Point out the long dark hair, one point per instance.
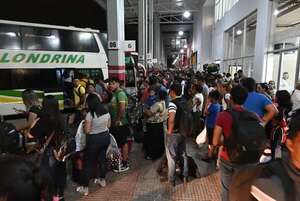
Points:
(50, 109)
(95, 107)
(283, 99)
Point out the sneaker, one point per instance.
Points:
(84, 191)
(122, 168)
(79, 188)
(100, 182)
(96, 181)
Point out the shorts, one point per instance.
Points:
(120, 133)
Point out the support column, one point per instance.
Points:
(150, 28)
(157, 48)
(263, 28)
(115, 26)
(142, 32)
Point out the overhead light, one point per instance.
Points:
(185, 46)
(187, 14)
(239, 32)
(180, 33)
(182, 51)
(12, 34)
(276, 12)
(179, 4)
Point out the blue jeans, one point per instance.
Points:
(176, 151)
(95, 154)
(227, 171)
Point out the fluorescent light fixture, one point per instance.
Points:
(182, 51)
(12, 34)
(239, 32)
(185, 46)
(52, 37)
(180, 33)
(187, 14)
(276, 12)
(179, 4)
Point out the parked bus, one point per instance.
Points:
(36, 56)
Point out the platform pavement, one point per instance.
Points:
(142, 183)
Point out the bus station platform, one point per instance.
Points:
(142, 183)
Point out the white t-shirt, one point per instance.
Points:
(99, 124)
(296, 99)
(198, 97)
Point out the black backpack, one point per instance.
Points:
(11, 141)
(183, 118)
(247, 140)
(240, 188)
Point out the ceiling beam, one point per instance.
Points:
(102, 3)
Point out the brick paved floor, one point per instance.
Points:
(142, 183)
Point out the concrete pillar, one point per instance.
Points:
(157, 48)
(263, 28)
(150, 28)
(115, 27)
(197, 31)
(142, 32)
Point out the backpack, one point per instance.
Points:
(11, 141)
(183, 118)
(247, 140)
(240, 188)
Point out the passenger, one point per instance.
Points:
(21, 180)
(152, 99)
(52, 125)
(79, 98)
(278, 180)
(33, 108)
(91, 90)
(197, 107)
(205, 90)
(258, 103)
(96, 125)
(223, 128)
(280, 127)
(240, 74)
(120, 128)
(263, 88)
(100, 86)
(296, 98)
(67, 77)
(175, 142)
(211, 113)
(154, 139)
(284, 83)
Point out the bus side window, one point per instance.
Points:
(10, 37)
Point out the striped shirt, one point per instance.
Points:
(172, 108)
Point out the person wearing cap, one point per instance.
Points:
(120, 129)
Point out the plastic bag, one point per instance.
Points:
(80, 137)
(202, 137)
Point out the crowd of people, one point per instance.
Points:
(249, 126)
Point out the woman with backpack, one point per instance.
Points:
(50, 130)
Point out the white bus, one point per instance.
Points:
(36, 55)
